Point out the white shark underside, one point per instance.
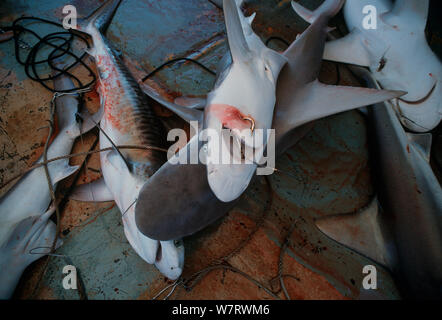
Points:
(397, 54)
(244, 93)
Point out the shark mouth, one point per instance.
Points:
(234, 149)
(422, 100)
(232, 118)
(237, 131)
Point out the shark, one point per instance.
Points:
(242, 103)
(127, 119)
(300, 99)
(30, 240)
(397, 53)
(24, 220)
(401, 228)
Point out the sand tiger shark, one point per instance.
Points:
(24, 213)
(127, 120)
(301, 99)
(397, 54)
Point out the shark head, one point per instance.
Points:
(170, 258)
(242, 105)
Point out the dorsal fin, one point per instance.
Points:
(360, 231)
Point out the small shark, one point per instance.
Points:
(127, 120)
(402, 227)
(397, 54)
(301, 99)
(24, 225)
(242, 101)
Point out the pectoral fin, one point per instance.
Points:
(62, 172)
(96, 191)
(317, 100)
(90, 121)
(186, 113)
(193, 103)
(360, 231)
(348, 49)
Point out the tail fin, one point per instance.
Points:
(99, 19)
(329, 8)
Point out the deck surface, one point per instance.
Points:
(326, 173)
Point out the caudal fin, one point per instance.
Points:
(100, 18)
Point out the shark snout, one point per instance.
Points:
(170, 258)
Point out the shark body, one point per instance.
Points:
(396, 52)
(301, 99)
(24, 214)
(402, 227)
(127, 120)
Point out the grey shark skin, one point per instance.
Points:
(406, 235)
(24, 225)
(177, 201)
(127, 120)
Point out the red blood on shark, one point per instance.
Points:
(229, 116)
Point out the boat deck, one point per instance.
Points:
(326, 173)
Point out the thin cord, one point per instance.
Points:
(173, 61)
(63, 49)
